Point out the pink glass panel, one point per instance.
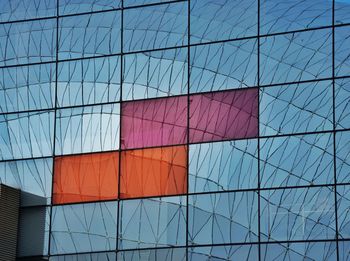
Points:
(157, 122)
(224, 115)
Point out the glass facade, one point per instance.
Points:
(178, 130)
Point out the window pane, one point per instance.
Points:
(344, 250)
(224, 66)
(88, 81)
(285, 15)
(153, 172)
(297, 214)
(300, 251)
(223, 166)
(155, 27)
(84, 228)
(87, 129)
(294, 108)
(89, 35)
(297, 160)
(224, 115)
(216, 253)
(343, 204)
(163, 254)
(213, 20)
(342, 103)
(219, 218)
(342, 51)
(155, 74)
(32, 177)
(26, 135)
(149, 223)
(104, 256)
(143, 2)
(151, 123)
(82, 6)
(296, 57)
(89, 177)
(28, 42)
(342, 11)
(27, 88)
(12, 10)
(343, 156)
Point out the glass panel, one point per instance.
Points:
(342, 51)
(27, 88)
(89, 177)
(12, 10)
(155, 74)
(223, 166)
(220, 218)
(224, 115)
(89, 35)
(297, 214)
(153, 172)
(287, 109)
(88, 81)
(28, 42)
(342, 103)
(224, 66)
(155, 27)
(344, 250)
(343, 156)
(218, 253)
(82, 6)
(342, 11)
(32, 177)
(213, 20)
(84, 228)
(26, 135)
(284, 15)
(151, 123)
(297, 160)
(163, 254)
(296, 57)
(143, 2)
(343, 204)
(315, 251)
(149, 223)
(104, 256)
(87, 129)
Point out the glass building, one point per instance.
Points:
(142, 130)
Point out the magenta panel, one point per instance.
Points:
(224, 115)
(157, 122)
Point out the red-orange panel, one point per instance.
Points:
(154, 172)
(90, 177)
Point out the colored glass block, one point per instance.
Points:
(224, 115)
(152, 123)
(90, 177)
(153, 172)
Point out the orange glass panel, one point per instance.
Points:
(154, 172)
(90, 177)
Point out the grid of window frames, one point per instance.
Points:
(177, 130)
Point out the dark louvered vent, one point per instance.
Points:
(9, 210)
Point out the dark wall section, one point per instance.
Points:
(9, 211)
